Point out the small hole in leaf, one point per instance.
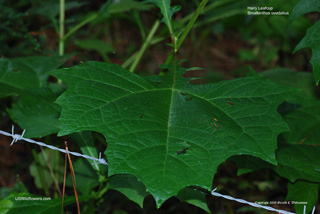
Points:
(188, 98)
(182, 151)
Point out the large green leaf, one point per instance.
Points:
(297, 79)
(295, 162)
(304, 124)
(303, 7)
(37, 113)
(312, 41)
(136, 191)
(194, 197)
(26, 72)
(301, 111)
(297, 158)
(299, 162)
(305, 192)
(129, 186)
(166, 132)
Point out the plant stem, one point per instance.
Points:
(131, 59)
(186, 31)
(137, 18)
(145, 45)
(61, 28)
(81, 24)
(169, 24)
(190, 24)
(206, 9)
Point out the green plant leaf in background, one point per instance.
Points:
(301, 110)
(167, 11)
(101, 47)
(86, 143)
(295, 162)
(223, 9)
(299, 162)
(51, 10)
(166, 132)
(37, 113)
(304, 124)
(302, 191)
(312, 41)
(303, 7)
(40, 171)
(194, 197)
(40, 65)
(19, 187)
(35, 204)
(298, 79)
(86, 177)
(136, 191)
(297, 156)
(120, 6)
(14, 77)
(129, 186)
(26, 72)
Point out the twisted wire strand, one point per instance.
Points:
(17, 137)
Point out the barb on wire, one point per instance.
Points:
(255, 204)
(17, 137)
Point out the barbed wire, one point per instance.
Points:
(17, 137)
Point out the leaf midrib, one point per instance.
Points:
(168, 125)
(167, 17)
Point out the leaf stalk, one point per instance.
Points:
(61, 27)
(145, 45)
(190, 24)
